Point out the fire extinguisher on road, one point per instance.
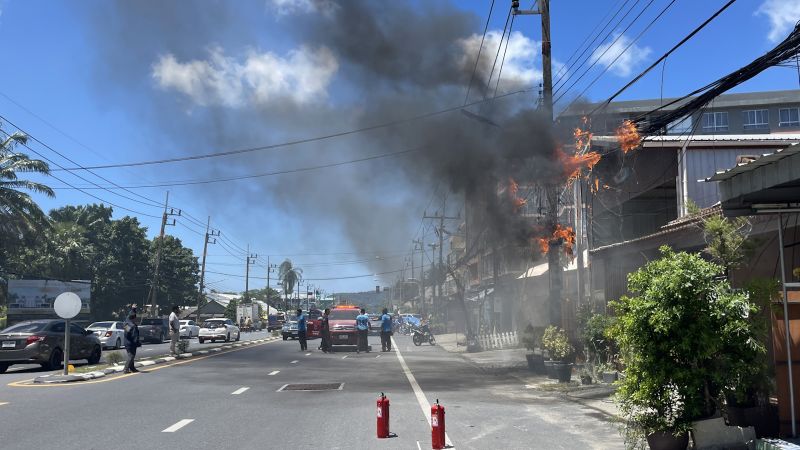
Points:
(437, 426)
(383, 417)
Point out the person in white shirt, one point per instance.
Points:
(174, 330)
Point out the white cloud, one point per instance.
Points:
(289, 7)
(629, 59)
(782, 14)
(520, 68)
(302, 76)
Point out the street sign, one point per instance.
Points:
(67, 305)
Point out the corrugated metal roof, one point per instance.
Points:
(762, 161)
(709, 139)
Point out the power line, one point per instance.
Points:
(259, 175)
(480, 48)
(301, 141)
(79, 189)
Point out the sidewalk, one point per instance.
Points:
(512, 362)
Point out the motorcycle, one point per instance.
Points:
(423, 334)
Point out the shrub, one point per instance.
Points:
(597, 341)
(532, 337)
(681, 336)
(556, 342)
(183, 345)
(114, 358)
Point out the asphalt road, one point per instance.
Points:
(233, 400)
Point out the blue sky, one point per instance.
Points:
(111, 90)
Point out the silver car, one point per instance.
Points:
(111, 334)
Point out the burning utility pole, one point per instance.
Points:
(552, 192)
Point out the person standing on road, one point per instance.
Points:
(174, 330)
(386, 331)
(362, 327)
(301, 330)
(248, 324)
(325, 346)
(131, 341)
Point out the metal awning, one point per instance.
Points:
(769, 184)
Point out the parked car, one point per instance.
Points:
(374, 325)
(219, 329)
(154, 329)
(111, 334)
(42, 342)
(289, 329)
(189, 329)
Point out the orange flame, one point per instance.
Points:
(628, 136)
(564, 234)
(583, 138)
(574, 164)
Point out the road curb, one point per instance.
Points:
(77, 377)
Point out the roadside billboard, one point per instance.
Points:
(36, 297)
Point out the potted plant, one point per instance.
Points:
(599, 346)
(531, 339)
(676, 334)
(586, 376)
(558, 348)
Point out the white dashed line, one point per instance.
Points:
(3, 403)
(377, 356)
(239, 391)
(294, 362)
(345, 356)
(421, 399)
(178, 426)
(274, 372)
(308, 354)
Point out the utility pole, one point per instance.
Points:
(160, 244)
(209, 234)
(270, 268)
(433, 272)
(552, 191)
(440, 231)
(418, 244)
(250, 259)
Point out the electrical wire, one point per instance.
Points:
(480, 48)
(304, 140)
(503, 62)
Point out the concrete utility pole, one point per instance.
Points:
(440, 231)
(250, 259)
(160, 244)
(209, 234)
(270, 267)
(419, 244)
(433, 247)
(552, 191)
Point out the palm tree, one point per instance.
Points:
(289, 277)
(19, 214)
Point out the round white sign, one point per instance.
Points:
(67, 305)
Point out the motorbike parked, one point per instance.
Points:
(423, 334)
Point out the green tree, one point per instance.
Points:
(179, 273)
(230, 310)
(289, 276)
(727, 241)
(21, 219)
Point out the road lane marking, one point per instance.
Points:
(24, 383)
(308, 354)
(345, 356)
(294, 362)
(421, 399)
(3, 403)
(239, 391)
(180, 424)
(274, 372)
(377, 356)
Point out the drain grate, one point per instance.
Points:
(312, 387)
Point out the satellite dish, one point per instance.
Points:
(67, 305)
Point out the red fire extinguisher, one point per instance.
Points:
(383, 417)
(437, 425)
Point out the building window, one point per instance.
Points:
(680, 126)
(715, 121)
(755, 119)
(789, 117)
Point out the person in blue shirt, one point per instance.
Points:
(386, 331)
(362, 327)
(301, 330)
